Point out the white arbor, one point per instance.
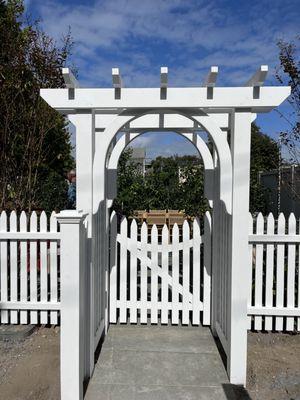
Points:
(105, 121)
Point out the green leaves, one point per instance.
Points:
(35, 149)
(169, 183)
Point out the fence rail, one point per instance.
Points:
(29, 269)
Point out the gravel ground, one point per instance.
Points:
(29, 368)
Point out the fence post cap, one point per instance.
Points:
(70, 216)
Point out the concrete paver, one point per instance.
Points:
(158, 363)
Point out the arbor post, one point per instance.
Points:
(72, 350)
(238, 283)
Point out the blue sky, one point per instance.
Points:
(188, 36)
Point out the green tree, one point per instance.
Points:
(264, 157)
(170, 183)
(35, 149)
(289, 73)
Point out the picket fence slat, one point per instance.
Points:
(175, 275)
(196, 272)
(144, 273)
(154, 275)
(123, 271)
(259, 271)
(113, 269)
(13, 266)
(23, 269)
(269, 271)
(280, 272)
(186, 274)
(165, 272)
(43, 268)
(4, 269)
(133, 271)
(291, 272)
(207, 268)
(53, 269)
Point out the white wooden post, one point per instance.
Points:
(240, 150)
(85, 148)
(72, 305)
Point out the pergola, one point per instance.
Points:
(106, 120)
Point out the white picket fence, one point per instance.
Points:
(274, 286)
(160, 275)
(29, 269)
(148, 277)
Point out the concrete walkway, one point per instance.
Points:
(158, 363)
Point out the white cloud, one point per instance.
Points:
(193, 36)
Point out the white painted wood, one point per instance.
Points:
(123, 270)
(3, 267)
(43, 268)
(269, 272)
(290, 322)
(186, 273)
(23, 269)
(69, 78)
(72, 356)
(144, 273)
(185, 98)
(275, 311)
(211, 79)
(259, 271)
(207, 269)
(164, 77)
(33, 268)
(113, 269)
(249, 303)
(238, 242)
(197, 275)
(116, 78)
(175, 275)
(154, 275)
(280, 272)
(53, 269)
(259, 77)
(164, 276)
(133, 271)
(274, 238)
(13, 267)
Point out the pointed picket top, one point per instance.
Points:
(133, 228)
(113, 215)
(260, 223)
(186, 230)
(53, 222)
(165, 234)
(270, 223)
(292, 224)
(33, 222)
(175, 232)
(144, 229)
(154, 233)
(43, 222)
(13, 221)
(196, 227)
(3, 221)
(208, 216)
(281, 224)
(23, 222)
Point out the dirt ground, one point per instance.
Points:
(29, 368)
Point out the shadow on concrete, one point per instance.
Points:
(235, 392)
